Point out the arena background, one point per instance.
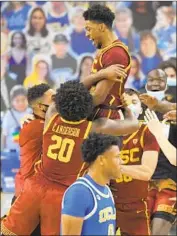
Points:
(61, 52)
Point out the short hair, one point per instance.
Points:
(96, 144)
(73, 101)
(100, 14)
(36, 92)
(131, 92)
(147, 34)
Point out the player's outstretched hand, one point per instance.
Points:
(114, 72)
(148, 100)
(171, 115)
(153, 122)
(26, 119)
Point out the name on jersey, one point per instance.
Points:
(65, 130)
(107, 214)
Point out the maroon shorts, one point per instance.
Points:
(133, 218)
(160, 199)
(39, 199)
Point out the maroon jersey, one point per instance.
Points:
(116, 53)
(30, 151)
(127, 188)
(61, 159)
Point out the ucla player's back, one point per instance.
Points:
(99, 213)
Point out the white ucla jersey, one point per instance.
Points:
(101, 220)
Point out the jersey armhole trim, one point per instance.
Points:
(95, 201)
(142, 137)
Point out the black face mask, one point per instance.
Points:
(44, 107)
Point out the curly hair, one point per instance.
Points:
(100, 14)
(96, 144)
(73, 101)
(37, 91)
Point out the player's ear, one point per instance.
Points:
(102, 27)
(100, 159)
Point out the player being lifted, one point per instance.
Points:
(106, 94)
(61, 160)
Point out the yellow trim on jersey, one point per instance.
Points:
(36, 163)
(88, 129)
(72, 122)
(110, 103)
(130, 137)
(147, 217)
(142, 136)
(6, 231)
(49, 123)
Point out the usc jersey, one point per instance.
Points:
(62, 160)
(127, 188)
(30, 142)
(116, 53)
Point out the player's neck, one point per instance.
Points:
(97, 177)
(108, 39)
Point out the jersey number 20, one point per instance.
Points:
(64, 146)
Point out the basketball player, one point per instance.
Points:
(39, 99)
(163, 184)
(61, 160)
(139, 154)
(30, 141)
(106, 94)
(88, 206)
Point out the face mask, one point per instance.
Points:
(44, 107)
(135, 110)
(171, 81)
(157, 94)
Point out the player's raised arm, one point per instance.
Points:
(156, 129)
(156, 105)
(117, 127)
(110, 73)
(50, 112)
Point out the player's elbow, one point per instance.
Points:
(147, 174)
(172, 160)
